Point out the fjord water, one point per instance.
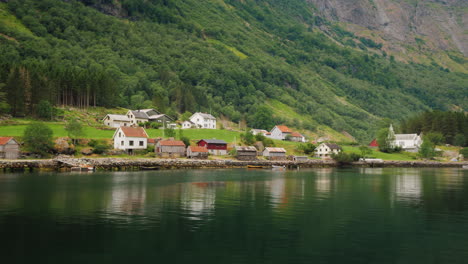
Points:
(390, 215)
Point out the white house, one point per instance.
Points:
(297, 137)
(130, 138)
(407, 142)
(148, 115)
(203, 120)
(117, 120)
(259, 131)
(325, 150)
(187, 124)
(280, 132)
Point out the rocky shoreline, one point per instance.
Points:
(149, 164)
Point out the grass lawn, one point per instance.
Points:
(381, 155)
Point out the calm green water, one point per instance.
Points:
(236, 216)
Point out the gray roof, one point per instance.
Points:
(159, 116)
(205, 115)
(405, 136)
(332, 146)
(214, 141)
(150, 112)
(246, 148)
(140, 114)
(118, 117)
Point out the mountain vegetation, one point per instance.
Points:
(228, 57)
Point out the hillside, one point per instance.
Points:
(308, 68)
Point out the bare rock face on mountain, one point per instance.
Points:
(436, 24)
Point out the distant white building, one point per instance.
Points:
(203, 120)
(187, 124)
(130, 138)
(259, 131)
(325, 150)
(280, 132)
(298, 137)
(407, 142)
(117, 120)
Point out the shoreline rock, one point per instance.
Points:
(65, 164)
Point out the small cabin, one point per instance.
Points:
(9, 148)
(246, 153)
(275, 153)
(170, 148)
(214, 146)
(196, 152)
(300, 158)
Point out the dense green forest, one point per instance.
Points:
(228, 57)
(452, 126)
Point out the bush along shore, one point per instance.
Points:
(155, 164)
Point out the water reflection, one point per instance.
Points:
(408, 186)
(199, 198)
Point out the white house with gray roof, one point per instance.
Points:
(407, 142)
(117, 120)
(203, 120)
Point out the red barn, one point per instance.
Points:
(214, 146)
(374, 143)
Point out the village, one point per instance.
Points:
(131, 138)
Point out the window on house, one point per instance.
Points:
(122, 143)
(120, 134)
(131, 143)
(141, 143)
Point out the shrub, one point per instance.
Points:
(345, 158)
(307, 148)
(37, 139)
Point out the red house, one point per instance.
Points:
(214, 146)
(374, 143)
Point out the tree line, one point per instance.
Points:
(452, 126)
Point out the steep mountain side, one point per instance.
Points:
(233, 58)
(409, 29)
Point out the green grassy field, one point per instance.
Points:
(95, 133)
(380, 155)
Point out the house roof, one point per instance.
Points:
(204, 115)
(150, 111)
(140, 114)
(374, 143)
(284, 129)
(246, 148)
(296, 134)
(151, 140)
(198, 149)
(159, 116)
(4, 140)
(281, 150)
(118, 117)
(332, 146)
(259, 130)
(134, 131)
(214, 141)
(405, 136)
(171, 143)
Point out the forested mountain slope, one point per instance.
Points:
(233, 58)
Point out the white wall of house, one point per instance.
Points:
(407, 142)
(277, 134)
(116, 121)
(186, 125)
(125, 143)
(324, 151)
(202, 121)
